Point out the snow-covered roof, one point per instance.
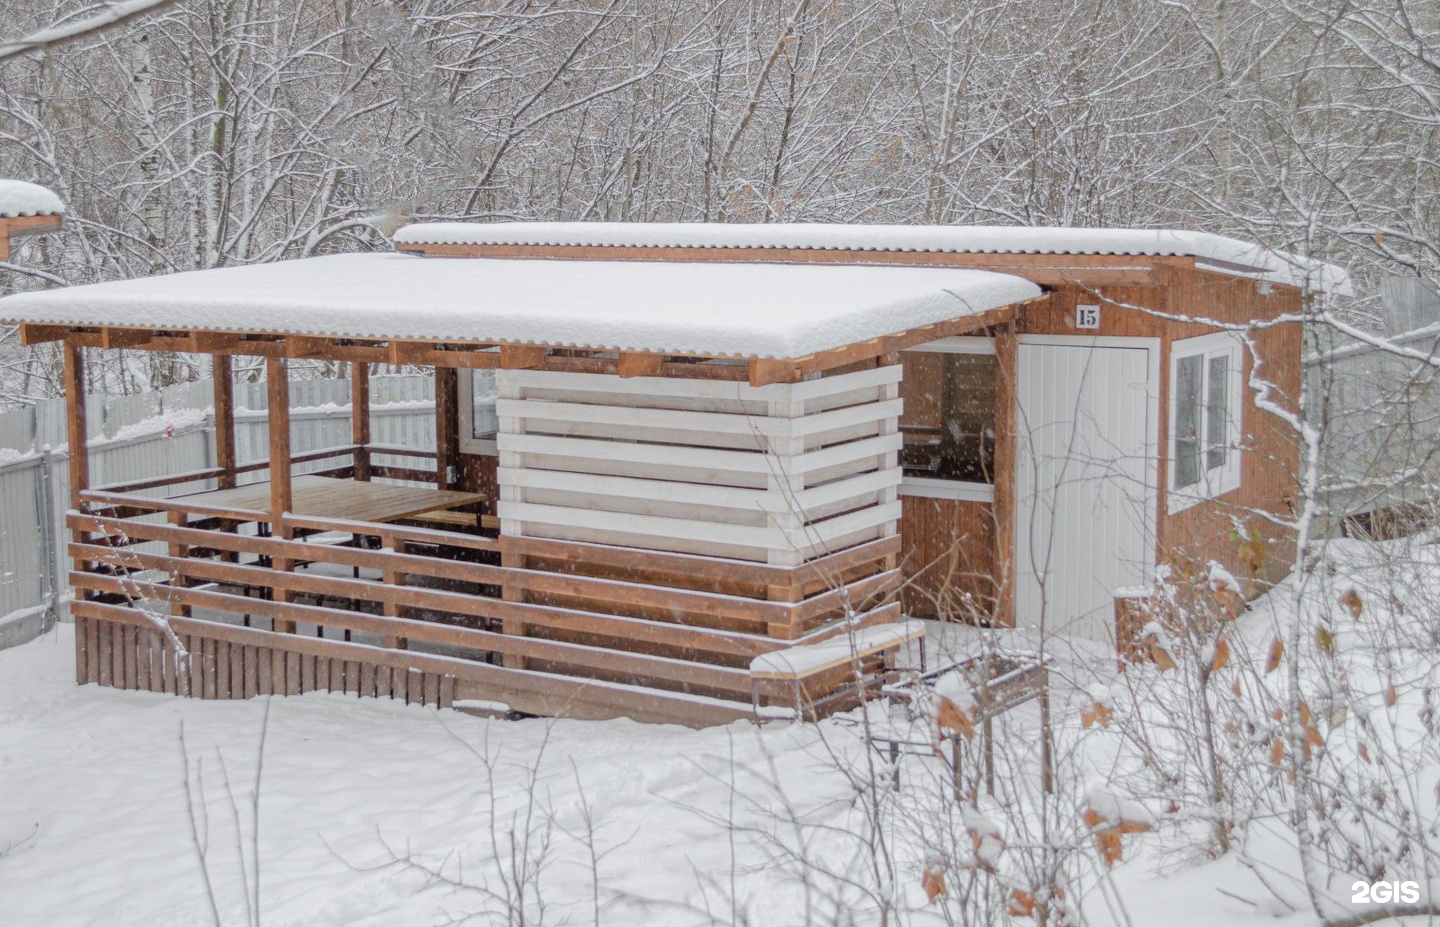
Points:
(22, 198)
(715, 309)
(1215, 252)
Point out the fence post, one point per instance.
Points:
(45, 507)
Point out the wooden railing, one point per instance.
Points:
(395, 598)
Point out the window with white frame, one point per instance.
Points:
(1205, 397)
(478, 421)
(948, 422)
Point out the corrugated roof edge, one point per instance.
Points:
(1248, 259)
(20, 198)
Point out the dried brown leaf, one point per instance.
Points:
(1277, 653)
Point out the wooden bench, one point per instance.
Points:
(798, 664)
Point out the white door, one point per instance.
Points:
(1085, 480)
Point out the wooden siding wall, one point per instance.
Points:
(1270, 465)
(777, 474)
(949, 559)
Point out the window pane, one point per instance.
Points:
(1216, 413)
(949, 416)
(1187, 421)
(483, 392)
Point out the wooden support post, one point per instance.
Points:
(277, 382)
(360, 418)
(179, 550)
(447, 425)
(393, 578)
(221, 373)
(75, 423)
(1007, 423)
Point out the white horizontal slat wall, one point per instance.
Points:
(777, 474)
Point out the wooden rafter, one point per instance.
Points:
(794, 369)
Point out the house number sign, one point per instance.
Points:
(1087, 316)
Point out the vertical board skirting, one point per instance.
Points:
(121, 655)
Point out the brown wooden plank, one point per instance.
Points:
(31, 334)
(223, 376)
(415, 687)
(75, 427)
(522, 356)
(639, 364)
(81, 653)
(447, 691)
(277, 387)
(158, 658)
(292, 673)
(264, 674)
(222, 669)
(367, 680)
(143, 640)
(167, 666)
(1006, 425)
(447, 425)
(307, 673)
(383, 682)
(209, 667)
(106, 652)
(360, 418)
(250, 671)
(237, 672)
(190, 677)
(128, 648)
(432, 689)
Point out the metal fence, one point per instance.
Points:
(156, 434)
(1380, 408)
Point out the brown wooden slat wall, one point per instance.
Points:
(949, 558)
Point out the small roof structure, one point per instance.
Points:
(707, 309)
(1211, 252)
(21, 198)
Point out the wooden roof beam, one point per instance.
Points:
(522, 356)
(231, 343)
(433, 354)
(765, 370)
(639, 364)
(112, 338)
(341, 349)
(16, 226)
(41, 334)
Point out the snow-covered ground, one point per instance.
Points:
(120, 808)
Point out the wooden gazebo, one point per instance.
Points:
(688, 513)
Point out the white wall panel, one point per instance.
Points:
(779, 473)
